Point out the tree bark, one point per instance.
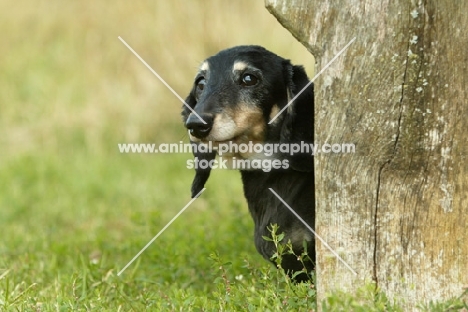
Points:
(397, 209)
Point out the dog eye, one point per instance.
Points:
(249, 80)
(201, 83)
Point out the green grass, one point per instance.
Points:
(74, 211)
(72, 221)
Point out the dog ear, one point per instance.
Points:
(201, 175)
(298, 124)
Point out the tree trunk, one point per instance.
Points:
(397, 209)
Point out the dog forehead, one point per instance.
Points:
(241, 57)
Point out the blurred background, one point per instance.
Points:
(66, 77)
(70, 91)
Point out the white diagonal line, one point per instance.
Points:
(160, 232)
(313, 79)
(160, 78)
(310, 229)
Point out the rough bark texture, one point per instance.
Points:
(397, 209)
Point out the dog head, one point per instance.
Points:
(237, 92)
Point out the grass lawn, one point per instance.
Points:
(74, 211)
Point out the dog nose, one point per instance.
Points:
(196, 126)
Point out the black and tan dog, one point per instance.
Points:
(237, 92)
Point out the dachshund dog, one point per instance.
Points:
(236, 93)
